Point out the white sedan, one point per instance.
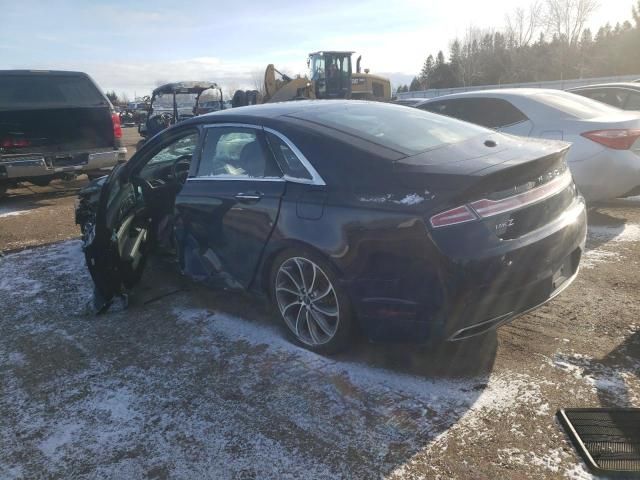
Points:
(605, 154)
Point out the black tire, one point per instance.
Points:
(239, 99)
(252, 97)
(342, 326)
(3, 189)
(41, 181)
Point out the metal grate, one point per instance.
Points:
(608, 439)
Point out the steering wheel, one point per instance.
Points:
(180, 168)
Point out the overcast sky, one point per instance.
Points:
(131, 49)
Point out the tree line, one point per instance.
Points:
(547, 41)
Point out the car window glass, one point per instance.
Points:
(234, 152)
(287, 160)
(410, 131)
(574, 105)
(633, 102)
(178, 148)
(435, 107)
(488, 112)
(611, 96)
(48, 89)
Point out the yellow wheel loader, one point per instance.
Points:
(330, 77)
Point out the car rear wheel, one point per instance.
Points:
(315, 310)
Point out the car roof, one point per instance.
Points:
(193, 86)
(281, 109)
(631, 85)
(497, 92)
(42, 72)
(410, 99)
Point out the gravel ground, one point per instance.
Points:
(195, 383)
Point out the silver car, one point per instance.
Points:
(605, 154)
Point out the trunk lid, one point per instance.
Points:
(513, 185)
(483, 165)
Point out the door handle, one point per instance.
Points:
(249, 197)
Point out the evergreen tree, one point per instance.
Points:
(427, 70)
(486, 57)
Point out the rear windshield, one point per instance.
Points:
(406, 130)
(42, 90)
(575, 105)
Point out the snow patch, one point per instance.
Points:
(377, 199)
(451, 403)
(409, 199)
(61, 436)
(412, 199)
(551, 460)
(578, 472)
(13, 213)
(608, 234)
(600, 378)
(629, 232)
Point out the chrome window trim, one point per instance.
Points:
(238, 178)
(232, 124)
(315, 179)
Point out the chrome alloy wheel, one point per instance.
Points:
(307, 301)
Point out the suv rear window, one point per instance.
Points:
(406, 130)
(42, 90)
(575, 105)
(488, 112)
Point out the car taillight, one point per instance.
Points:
(117, 128)
(488, 208)
(454, 216)
(15, 143)
(621, 139)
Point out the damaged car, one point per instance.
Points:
(173, 103)
(405, 224)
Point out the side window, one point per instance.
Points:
(436, 107)
(181, 147)
(287, 160)
(235, 152)
(610, 96)
(502, 113)
(633, 102)
(488, 112)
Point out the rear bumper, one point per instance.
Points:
(480, 283)
(608, 174)
(535, 299)
(25, 166)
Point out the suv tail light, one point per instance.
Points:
(117, 128)
(486, 208)
(622, 139)
(14, 143)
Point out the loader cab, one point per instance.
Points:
(331, 74)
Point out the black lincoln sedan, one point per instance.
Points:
(407, 224)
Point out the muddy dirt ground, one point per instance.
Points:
(194, 383)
